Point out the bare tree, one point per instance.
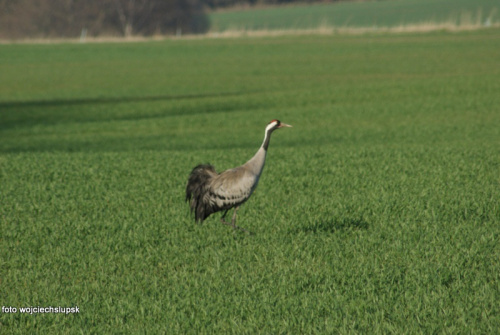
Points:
(147, 17)
(128, 11)
(67, 18)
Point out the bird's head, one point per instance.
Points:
(276, 124)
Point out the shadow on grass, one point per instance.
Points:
(15, 114)
(332, 225)
(114, 144)
(113, 100)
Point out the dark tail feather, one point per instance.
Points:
(196, 188)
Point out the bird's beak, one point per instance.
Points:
(284, 125)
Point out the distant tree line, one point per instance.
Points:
(67, 18)
(70, 18)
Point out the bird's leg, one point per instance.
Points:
(233, 221)
(223, 216)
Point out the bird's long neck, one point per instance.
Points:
(256, 163)
(267, 138)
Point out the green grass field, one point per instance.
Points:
(378, 212)
(393, 13)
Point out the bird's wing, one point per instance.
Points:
(231, 188)
(198, 179)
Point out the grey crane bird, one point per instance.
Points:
(209, 192)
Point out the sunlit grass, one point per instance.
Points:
(377, 212)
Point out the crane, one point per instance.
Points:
(209, 192)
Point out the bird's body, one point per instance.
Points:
(209, 192)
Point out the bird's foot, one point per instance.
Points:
(235, 226)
